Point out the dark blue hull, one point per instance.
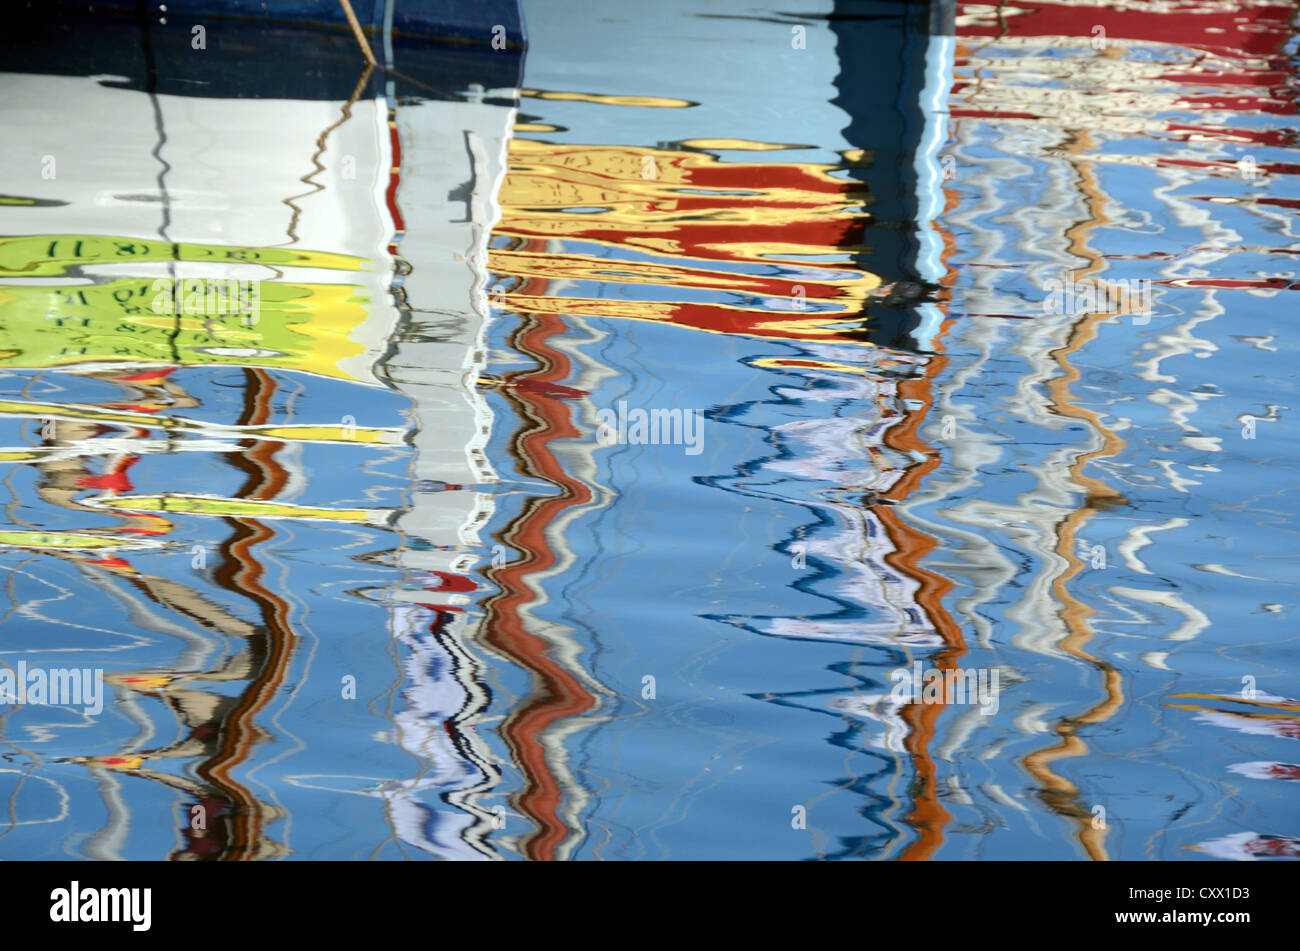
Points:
(431, 20)
(258, 49)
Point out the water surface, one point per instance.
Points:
(367, 579)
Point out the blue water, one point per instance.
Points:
(650, 652)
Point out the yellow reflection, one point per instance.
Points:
(182, 504)
(739, 145)
(296, 326)
(45, 255)
(581, 267)
(654, 102)
(66, 541)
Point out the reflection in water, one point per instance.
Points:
(687, 226)
(365, 583)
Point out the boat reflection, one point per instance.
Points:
(304, 381)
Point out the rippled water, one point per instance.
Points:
(967, 342)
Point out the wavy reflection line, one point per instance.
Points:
(557, 692)
(308, 179)
(911, 546)
(242, 572)
(1058, 793)
(928, 817)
